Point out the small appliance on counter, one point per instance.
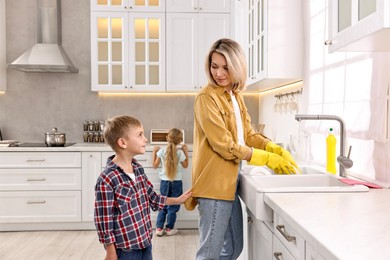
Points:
(159, 136)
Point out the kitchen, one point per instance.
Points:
(33, 103)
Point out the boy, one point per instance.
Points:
(124, 195)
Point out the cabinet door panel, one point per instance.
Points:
(40, 206)
(211, 28)
(280, 251)
(40, 159)
(91, 169)
(109, 51)
(109, 5)
(147, 52)
(182, 54)
(40, 179)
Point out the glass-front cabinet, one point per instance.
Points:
(272, 35)
(256, 40)
(359, 25)
(128, 5)
(127, 51)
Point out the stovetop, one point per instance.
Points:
(37, 145)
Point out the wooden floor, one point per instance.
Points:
(49, 245)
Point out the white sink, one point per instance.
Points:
(256, 181)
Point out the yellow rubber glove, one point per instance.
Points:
(277, 163)
(274, 148)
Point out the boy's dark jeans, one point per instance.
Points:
(141, 254)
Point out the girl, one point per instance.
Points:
(173, 161)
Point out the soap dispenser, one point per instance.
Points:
(331, 152)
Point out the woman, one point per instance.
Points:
(223, 136)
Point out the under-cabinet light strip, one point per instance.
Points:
(295, 84)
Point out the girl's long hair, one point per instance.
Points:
(174, 137)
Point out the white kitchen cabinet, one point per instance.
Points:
(91, 168)
(359, 25)
(40, 187)
(3, 72)
(273, 40)
(185, 6)
(276, 240)
(127, 51)
(312, 254)
(259, 239)
(128, 5)
(190, 36)
(280, 251)
(291, 240)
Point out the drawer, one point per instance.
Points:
(40, 206)
(279, 251)
(40, 159)
(290, 238)
(146, 159)
(40, 179)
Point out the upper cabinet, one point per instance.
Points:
(190, 6)
(359, 25)
(189, 37)
(273, 40)
(154, 45)
(127, 50)
(128, 5)
(3, 73)
(192, 27)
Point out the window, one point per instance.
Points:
(353, 86)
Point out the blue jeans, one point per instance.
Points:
(132, 254)
(168, 213)
(220, 229)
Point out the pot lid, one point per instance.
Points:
(54, 131)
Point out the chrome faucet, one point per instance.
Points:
(344, 161)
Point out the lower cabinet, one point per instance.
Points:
(91, 168)
(56, 190)
(277, 240)
(38, 187)
(259, 239)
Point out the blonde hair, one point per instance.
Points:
(118, 127)
(236, 63)
(174, 137)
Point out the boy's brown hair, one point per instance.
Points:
(118, 127)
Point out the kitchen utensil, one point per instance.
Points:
(54, 138)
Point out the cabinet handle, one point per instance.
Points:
(289, 238)
(200, 8)
(36, 202)
(328, 42)
(250, 220)
(277, 254)
(195, 8)
(41, 179)
(37, 160)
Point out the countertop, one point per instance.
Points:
(339, 225)
(78, 147)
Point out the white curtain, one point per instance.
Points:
(352, 85)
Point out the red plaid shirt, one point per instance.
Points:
(122, 207)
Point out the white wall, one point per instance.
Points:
(279, 126)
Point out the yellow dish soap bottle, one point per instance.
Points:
(331, 152)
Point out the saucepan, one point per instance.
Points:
(54, 138)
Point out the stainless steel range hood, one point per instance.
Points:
(47, 55)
